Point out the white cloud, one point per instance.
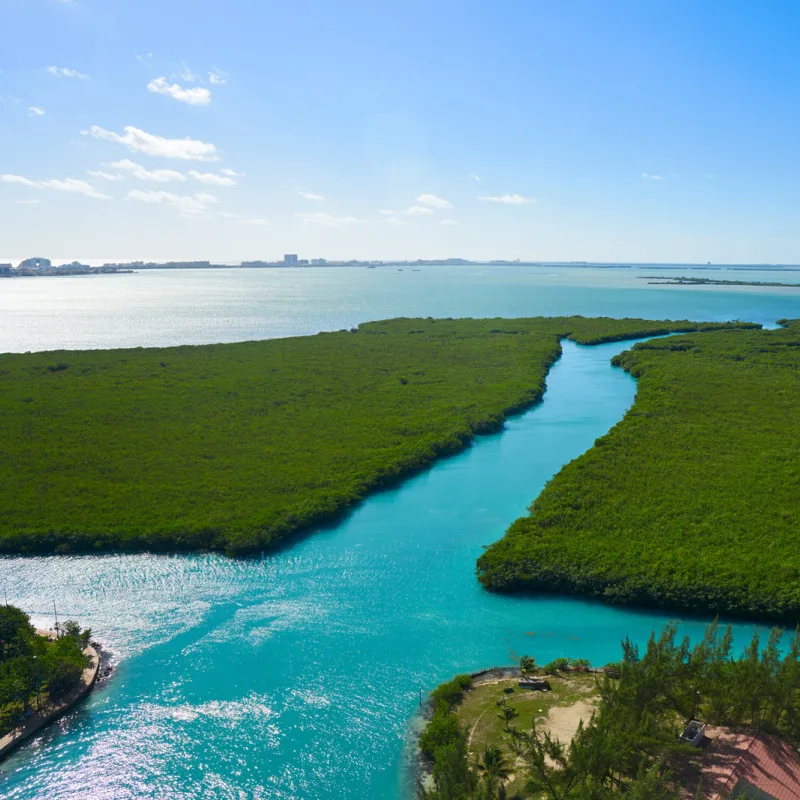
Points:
(217, 77)
(327, 220)
(310, 195)
(419, 211)
(27, 202)
(231, 173)
(73, 185)
(392, 221)
(196, 96)
(434, 201)
(476, 178)
(448, 222)
(66, 185)
(387, 211)
(144, 57)
(140, 142)
(229, 215)
(19, 179)
(211, 178)
(186, 204)
(106, 176)
(508, 199)
(142, 174)
(255, 221)
(35, 111)
(648, 177)
(66, 72)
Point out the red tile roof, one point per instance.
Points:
(770, 765)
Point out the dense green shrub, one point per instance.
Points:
(235, 446)
(32, 666)
(452, 691)
(693, 500)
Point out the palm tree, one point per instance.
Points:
(527, 664)
(507, 713)
(494, 768)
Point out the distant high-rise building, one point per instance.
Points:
(5, 270)
(290, 259)
(35, 263)
(319, 260)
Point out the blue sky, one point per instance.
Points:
(570, 130)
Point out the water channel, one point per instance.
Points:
(295, 675)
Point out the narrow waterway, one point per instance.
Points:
(295, 675)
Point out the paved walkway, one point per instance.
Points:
(52, 711)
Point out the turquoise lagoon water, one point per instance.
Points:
(296, 675)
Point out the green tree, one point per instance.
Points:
(494, 769)
(507, 713)
(527, 665)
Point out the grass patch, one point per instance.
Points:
(691, 501)
(234, 447)
(478, 712)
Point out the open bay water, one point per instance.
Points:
(295, 675)
(156, 308)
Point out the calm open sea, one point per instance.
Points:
(296, 675)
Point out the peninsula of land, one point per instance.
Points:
(691, 501)
(234, 447)
(674, 723)
(42, 674)
(657, 280)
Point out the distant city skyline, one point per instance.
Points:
(632, 131)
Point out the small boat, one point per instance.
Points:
(537, 684)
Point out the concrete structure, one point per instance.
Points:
(319, 261)
(290, 259)
(5, 270)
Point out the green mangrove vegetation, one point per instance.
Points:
(235, 446)
(627, 742)
(36, 668)
(692, 501)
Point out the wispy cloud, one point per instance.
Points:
(144, 57)
(212, 179)
(196, 96)
(35, 111)
(476, 178)
(386, 211)
(27, 202)
(433, 201)
(106, 176)
(255, 221)
(138, 141)
(217, 77)
(65, 185)
(310, 195)
(392, 220)
(327, 220)
(231, 173)
(649, 177)
(67, 72)
(508, 199)
(448, 222)
(187, 205)
(185, 74)
(419, 211)
(141, 173)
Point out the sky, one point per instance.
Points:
(625, 130)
